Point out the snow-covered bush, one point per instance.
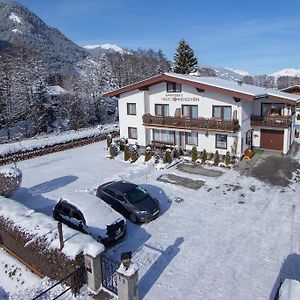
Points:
(148, 153)
(10, 180)
(108, 140)
(194, 153)
(126, 152)
(167, 157)
(156, 158)
(113, 150)
(176, 152)
(204, 156)
(216, 158)
(122, 143)
(134, 154)
(181, 152)
(227, 158)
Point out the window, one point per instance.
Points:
(131, 108)
(221, 141)
(191, 138)
(162, 110)
(66, 211)
(222, 112)
(77, 215)
(165, 136)
(173, 87)
(132, 133)
(272, 109)
(190, 111)
(109, 192)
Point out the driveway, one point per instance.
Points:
(273, 168)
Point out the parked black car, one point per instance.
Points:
(87, 214)
(130, 200)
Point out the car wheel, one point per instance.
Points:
(133, 218)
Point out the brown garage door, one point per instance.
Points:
(271, 139)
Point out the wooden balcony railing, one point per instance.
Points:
(187, 123)
(271, 121)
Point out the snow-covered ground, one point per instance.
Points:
(228, 240)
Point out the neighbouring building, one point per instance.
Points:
(212, 113)
(295, 89)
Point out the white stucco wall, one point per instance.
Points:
(205, 101)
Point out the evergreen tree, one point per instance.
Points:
(194, 153)
(204, 156)
(184, 58)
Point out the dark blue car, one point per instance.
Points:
(129, 199)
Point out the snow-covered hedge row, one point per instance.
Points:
(51, 140)
(34, 237)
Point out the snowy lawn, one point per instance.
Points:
(230, 239)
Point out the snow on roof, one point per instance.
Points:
(15, 18)
(39, 225)
(243, 88)
(55, 90)
(291, 87)
(95, 211)
(236, 88)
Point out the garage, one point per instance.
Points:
(271, 139)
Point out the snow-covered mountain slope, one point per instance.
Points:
(286, 72)
(21, 26)
(105, 47)
(224, 73)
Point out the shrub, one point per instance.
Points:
(108, 140)
(134, 154)
(227, 158)
(126, 152)
(156, 158)
(194, 153)
(167, 157)
(148, 153)
(216, 158)
(10, 180)
(176, 152)
(204, 156)
(113, 150)
(123, 142)
(181, 152)
(298, 117)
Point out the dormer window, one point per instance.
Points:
(173, 87)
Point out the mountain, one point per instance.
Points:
(20, 26)
(286, 72)
(104, 48)
(224, 73)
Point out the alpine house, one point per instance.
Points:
(212, 113)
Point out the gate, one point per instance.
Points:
(109, 267)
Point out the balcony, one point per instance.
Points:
(191, 124)
(271, 121)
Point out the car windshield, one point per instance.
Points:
(135, 195)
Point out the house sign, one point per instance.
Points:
(179, 97)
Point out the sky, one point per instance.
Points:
(258, 36)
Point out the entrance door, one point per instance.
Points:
(182, 140)
(271, 139)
